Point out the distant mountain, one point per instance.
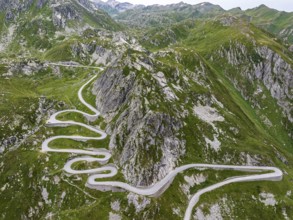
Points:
(114, 7)
(157, 15)
(277, 22)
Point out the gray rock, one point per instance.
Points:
(266, 66)
(227, 20)
(277, 76)
(63, 13)
(9, 16)
(145, 143)
(41, 3)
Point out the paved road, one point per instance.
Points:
(102, 156)
(158, 188)
(73, 64)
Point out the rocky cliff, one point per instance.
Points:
(215, 90)
(262, 68)
(146, 140)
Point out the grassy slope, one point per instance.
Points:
(272, 20)
(65, 89)
(36, 29)
(256, 135)
(29, 89)
(253, 138)
(204, 39)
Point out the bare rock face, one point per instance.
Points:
(62, 10)
(87, 4)
(9, 16)
(227, 20)
(266, 66)
(67, 11)
(15, 7)
(41, 3)
(110, 99)
(63, 13)
(277, 76)
(150, 146)
(146, 143)
(26, 67)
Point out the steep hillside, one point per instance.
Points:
(194, 84)
(32, 27)
(208, 39)
(225, 99)
(277, 22)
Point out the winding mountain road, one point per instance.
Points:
(72, 64)
(102, 156)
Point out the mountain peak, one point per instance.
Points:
(263, 6)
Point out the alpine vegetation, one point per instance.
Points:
(111, 110)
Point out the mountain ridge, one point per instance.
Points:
(168, 14)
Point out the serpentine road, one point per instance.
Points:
(102, 156)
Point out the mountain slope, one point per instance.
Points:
(277, 22)
(38, 25)
(232, 73)
(159, 15)
(113, 7)
(210, 89)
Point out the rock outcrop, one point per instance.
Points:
(146, 143)
(62, 14)
(277, 76)
(266, 66)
